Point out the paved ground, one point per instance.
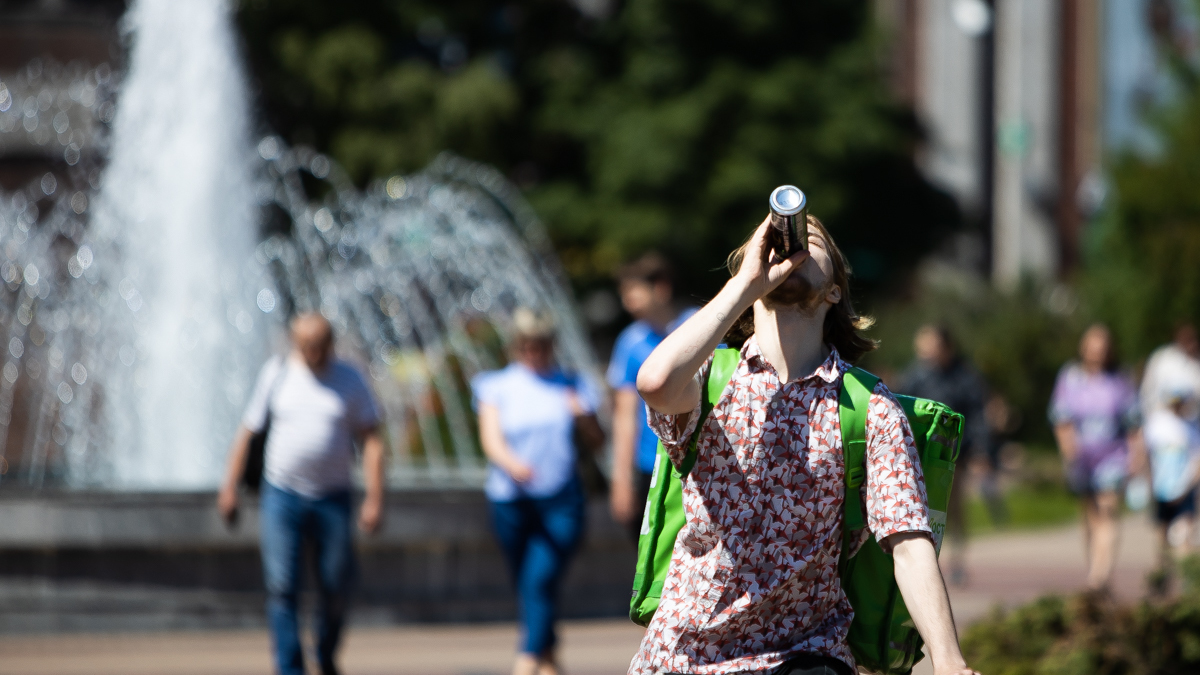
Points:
(1003, 569)
(1010, 569)
(589, 648)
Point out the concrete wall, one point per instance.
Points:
(156, 561)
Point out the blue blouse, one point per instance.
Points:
(538, 425)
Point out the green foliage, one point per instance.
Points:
(329, 77)
(665, 125)
(1085, 635)
(709, 106)
(1017, 343)
(1038, 498)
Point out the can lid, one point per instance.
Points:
(788, 200)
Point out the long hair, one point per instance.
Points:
(843, 326)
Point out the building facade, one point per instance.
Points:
(1022, 100)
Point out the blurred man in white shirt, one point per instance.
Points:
(317, 407)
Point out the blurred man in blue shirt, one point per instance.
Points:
(646, 287)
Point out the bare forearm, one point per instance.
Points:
(374, 456)
(666, 380)
(624, 431)
(924, 592)
(496, 449)
(491, 438)
(1064, 435)
(238, 450)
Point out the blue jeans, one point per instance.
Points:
(286, 520)
(539, 537)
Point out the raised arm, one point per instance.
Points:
(667, 378)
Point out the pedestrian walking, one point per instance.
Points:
(1171, 370)
(1173, 444)
(530, 415)
(646, 286)
(1096, 420)
(317, 407)
(753, 584)
(941, 373)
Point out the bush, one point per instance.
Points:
(1086, 634)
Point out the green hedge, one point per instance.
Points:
(1088, 635)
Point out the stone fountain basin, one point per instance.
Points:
(147, 561)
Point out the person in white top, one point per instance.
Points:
(317, 408)
(531, 414)
(1172, 369)
(1174, 445)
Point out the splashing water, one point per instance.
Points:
(136, 324)
(176, 209)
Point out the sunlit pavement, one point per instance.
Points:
(588, 648)
(1010, 569)
(1005, 569)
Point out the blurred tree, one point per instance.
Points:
(1142, 273)
(665, 124)
(384, 86)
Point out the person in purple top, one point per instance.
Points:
(1094, 410)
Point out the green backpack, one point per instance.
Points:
(882, 636)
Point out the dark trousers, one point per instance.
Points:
(539, 537)
(286, 521)
(811, 664)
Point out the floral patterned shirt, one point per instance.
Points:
(753, 577)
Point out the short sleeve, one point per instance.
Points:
(483, 389)
(676, 430)
(255, 416)
(896, 499)
(623, 367)
(1059, 410)
(366, 409)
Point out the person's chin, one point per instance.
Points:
(795, 293)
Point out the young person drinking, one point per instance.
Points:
(753, 583)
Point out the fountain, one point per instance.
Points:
(139, 306)
(141, 287)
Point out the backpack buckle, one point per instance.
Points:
(855, 476)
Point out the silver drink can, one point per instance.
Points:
(789, 221)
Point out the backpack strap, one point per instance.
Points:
(853, 400)
(724, 362)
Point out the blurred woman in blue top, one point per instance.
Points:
(529, 416)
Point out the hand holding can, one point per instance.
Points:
(789, 221)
